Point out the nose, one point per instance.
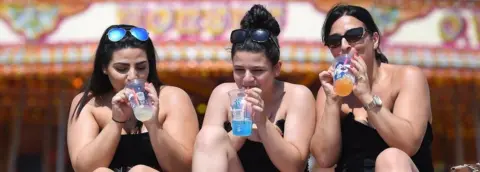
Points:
(248, 79)
(345, 46)
(131, 75)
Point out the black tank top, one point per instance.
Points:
(362, 144)
(253, 155)
(134, 149)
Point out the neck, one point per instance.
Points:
(374, 73)
(269, 95)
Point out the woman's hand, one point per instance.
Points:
(256, 104)
(326, 79)
(121, 110)
(362, 88)
(153, 100)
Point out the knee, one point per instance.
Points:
(211, 137)
(102, 169)
(392, 157)
(138, 168)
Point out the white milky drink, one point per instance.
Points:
(143, 113)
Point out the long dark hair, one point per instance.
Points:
(99, 83)
(358, 12)
(260, 18)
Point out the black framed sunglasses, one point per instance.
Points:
(257, 35)
(352, 36)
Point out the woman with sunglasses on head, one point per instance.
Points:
(103, 134)
(385, 123)
(283, 113)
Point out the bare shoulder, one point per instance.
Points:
(298, 91)
(169, 92)
(79, 96)
(224, 88)
(76, 100)
(408, 74)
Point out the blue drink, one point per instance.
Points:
(241, 117)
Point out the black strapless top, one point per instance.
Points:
(134, 149)
(253, 156)
(362, 144)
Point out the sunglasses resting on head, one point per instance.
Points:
(257, 35)
(117, 33)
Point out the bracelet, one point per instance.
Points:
(119, 121)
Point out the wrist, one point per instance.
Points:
(261, 125)
(333, 101)
(365, 98)
(117, 123)
(152, 125)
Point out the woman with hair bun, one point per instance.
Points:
(283, 113)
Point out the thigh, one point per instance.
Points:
(142, 168)
(393, 158)
(103, 169)
(234, 163)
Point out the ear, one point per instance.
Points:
(376, 40)
(277, 69)
(104, 69)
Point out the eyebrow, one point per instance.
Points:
(124, 63)
(142, 62)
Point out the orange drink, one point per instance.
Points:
(343, 87)
(343, 80)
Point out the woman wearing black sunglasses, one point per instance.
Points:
(283, 113)
(103, 135)
(385, 124)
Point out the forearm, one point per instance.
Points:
(395, 131)
(99, 152)
(171, 155)
(285, 156)
(326, 142)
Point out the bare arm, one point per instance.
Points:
(326, 142)
(88, 148)
(290, 152)
(217, 111)
(173, 143)
(405, 127)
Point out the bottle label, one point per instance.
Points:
(341, 70)
(239, 110)
(238, 115)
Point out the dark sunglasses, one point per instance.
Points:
(257, 35)
(352, 36)
(116, 34)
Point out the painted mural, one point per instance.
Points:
(438, 34)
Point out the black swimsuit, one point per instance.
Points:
(134, 149)
(253, 155)
(362, 144)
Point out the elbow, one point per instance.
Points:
(323, 160)
(410, 150)
(187, 160)
(409, 147)
(81, 165)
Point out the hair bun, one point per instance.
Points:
(259, 17)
